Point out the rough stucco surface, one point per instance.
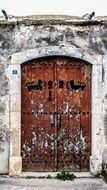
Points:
(15, 38)
(25, 34)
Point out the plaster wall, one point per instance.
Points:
(26, 40)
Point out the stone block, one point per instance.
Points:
(15, 166)
(95, 165)
(15, 141)
(15, 120)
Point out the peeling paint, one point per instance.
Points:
(40, 108)
(34, 139)
(82, 142)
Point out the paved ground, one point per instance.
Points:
(51, 184)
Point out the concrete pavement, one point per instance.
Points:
(8, 183)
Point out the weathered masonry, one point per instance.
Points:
(53, 94)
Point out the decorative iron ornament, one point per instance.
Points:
(40, 85)
(71, 85)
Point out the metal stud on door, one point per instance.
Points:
(56, 123)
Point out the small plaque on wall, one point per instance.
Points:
(14, 72)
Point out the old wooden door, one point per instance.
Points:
(56, 115)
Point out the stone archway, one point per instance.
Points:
(14, 74)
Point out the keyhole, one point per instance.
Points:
(50, 96)
(50, 84)
(61, 84)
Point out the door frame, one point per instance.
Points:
(14, 75)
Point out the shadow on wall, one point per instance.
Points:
(105, 126)
(104, 155)
(4, 149)
(99, 43)
(105, 119)
(4, 136)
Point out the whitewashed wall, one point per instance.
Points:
(26, 39)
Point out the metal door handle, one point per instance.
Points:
(59, 120)
(52, 119)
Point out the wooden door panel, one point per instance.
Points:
(85, 117)
(42, 132)
(62, 109)
(67, 155)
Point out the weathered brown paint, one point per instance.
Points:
(56, 115)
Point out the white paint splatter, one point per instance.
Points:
(46, 144)
(66, 109)
(34, 139)
(41, 108)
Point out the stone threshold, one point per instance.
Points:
(53, 174)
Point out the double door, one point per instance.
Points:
(56, 115)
